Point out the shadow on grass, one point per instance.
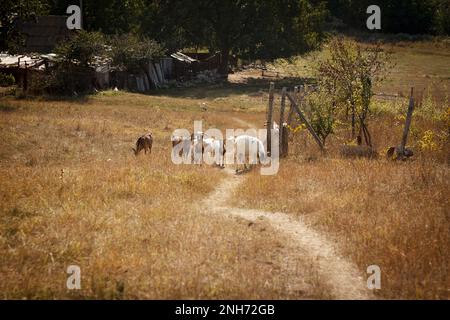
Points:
(386, 38)
(225, 89)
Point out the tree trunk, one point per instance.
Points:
(225, 58)
(353, 120)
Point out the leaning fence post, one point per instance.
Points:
(407, 124)
(291, 109)
(305, 121)
(269, 117)
(289, 122)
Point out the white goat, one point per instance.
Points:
(197, 146)
(214, 147)
(185, 145)
(248, 147)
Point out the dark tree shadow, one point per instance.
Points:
(225, 88)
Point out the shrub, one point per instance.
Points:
(322, 112)
(6, 80)
(82, 48)
(428, 141)
(132, 54)
(63, 79)
(70, 79)
(73, 72)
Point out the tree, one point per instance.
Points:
(73, 72)
(248, 28)
(10, 12)
(349, 75)
(133, 54)
(322, 112)
(400, 16)
(441, 19)
(82, 48)
(107, 16)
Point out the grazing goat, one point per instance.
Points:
(197, 146)
(214, 147)
(245, 146)
(145, 143)
(186, 145)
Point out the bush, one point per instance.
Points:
(64, 79)
(73, 72)
(322, 112)
(6, 80)
(132, 54)
(82, 48)
(70, 79)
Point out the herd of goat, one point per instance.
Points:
(251, 150)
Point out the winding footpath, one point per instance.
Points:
(340, 275)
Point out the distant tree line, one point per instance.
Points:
(253, 29)
(398, 16)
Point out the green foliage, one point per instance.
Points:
(428, 141)
(11, 10)
(322, 113)
(73, 72)
(249, 29)
(82, 48)
(402, 16)
(65, 79)
(6, 80)
(349, 75)
(441, 19)
(130, 53)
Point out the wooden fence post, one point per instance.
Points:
(25, 79)
(303, 118)
(282, 129)
(269, 117)
(407, 124)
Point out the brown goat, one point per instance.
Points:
(145, 143)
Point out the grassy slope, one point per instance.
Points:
(395, 215)
(73, 193)
(422, 64)
(128, 222)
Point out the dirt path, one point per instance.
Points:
(243, 122)
(341, 276)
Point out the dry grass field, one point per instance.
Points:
(73, 193)
(395, 215)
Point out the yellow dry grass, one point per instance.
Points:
(72, 193)
(395, 215)
(392, 214)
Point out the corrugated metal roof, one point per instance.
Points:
(182, 57)
(7, 60)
